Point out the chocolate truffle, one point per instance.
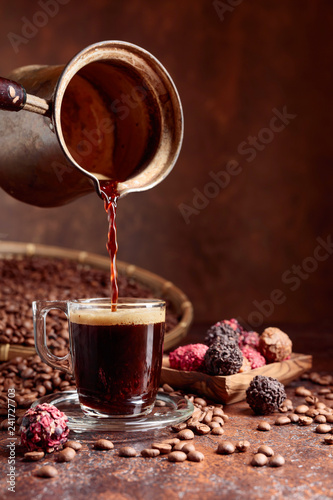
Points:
(253, 356)
(44, 427)
(275, 345)
(223, 357)
(220, 331)
(265, 395)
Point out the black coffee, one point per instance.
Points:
(117, 366)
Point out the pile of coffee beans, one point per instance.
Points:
(37, 278)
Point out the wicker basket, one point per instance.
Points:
(159, 286)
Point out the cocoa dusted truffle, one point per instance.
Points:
(265, 395)
(223, 357)
(221, 331)
(275, 345)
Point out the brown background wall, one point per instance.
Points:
(231, 73)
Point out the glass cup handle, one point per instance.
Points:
(40, 310)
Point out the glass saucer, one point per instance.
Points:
(176, 409)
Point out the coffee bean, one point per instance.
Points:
(171, 441)
(242, 446)
(163, 448)
(328, 440)
(324, 391)
(213, 425)
(301, 409)
(329, 419)
(200, 401)
(185, 434)
(177, 456)
(103, 444)
(312, 412)
(188, 447)
(293, 418)
(33, 456)
(66, 455)
(167, 388)
(283, 409)
(218, 412)
(320, 419)
(304, 420)
(208, 417)
(195, 456)
(289, 404)
(266, 450)
(329, 396)
(302, 391)
(259, 460)
(225, 448)
(225, 417)
(47, 471)
(179, 427)
(263, 426)
(159, 403)
(202, 429)
(73, 444)
(277, 461)
(283, 420)
(179, 446)
(311, 400)
(320, 406)
(217, 431)
(150, 452)
(219, 420)
(323, 429)
(128, 452)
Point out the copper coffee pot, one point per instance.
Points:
(113, 113)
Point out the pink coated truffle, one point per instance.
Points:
(44, 427)
(250, 339)
(253, 356)
(188, 357)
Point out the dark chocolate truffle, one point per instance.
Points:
(223, 357)
(220, 331)
(265, 395)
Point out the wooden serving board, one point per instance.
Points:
(231, 388)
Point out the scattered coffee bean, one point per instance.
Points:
(47, 471)
(277, 461)
(177, 456)
(128, 451)
(226, 448)
(304, 420)
(288, 403)
(225, 417)
(33, 456)
(150, 452)
(218, 412)
(242, 446)
(217, 431)
(328, 440)
(311, 400)
(188, 447)
(320, 419)
(185, 434)
(73, 444)
(200, 401)
(104, 444)
(324, 391)
(219, 420)
(163, 448)
(203, 429)
(171, 441)
(167, 388)
(329, 419)
(263, 426)
(320, 406)
(179, 446)
(301, 409)
(266, 450)
(323, 429)
(283, 420)
(213, 425)
(178, 427)
(283, 409)
(259, 460)
(302, 391)
(312, 412)
(293, 418)
(329, 396)
(66, 455)
(195, 456)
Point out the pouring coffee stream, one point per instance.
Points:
(110, 120)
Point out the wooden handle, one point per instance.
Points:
(12, 95)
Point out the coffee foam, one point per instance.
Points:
(104, 317)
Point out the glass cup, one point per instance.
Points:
(115, 356)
